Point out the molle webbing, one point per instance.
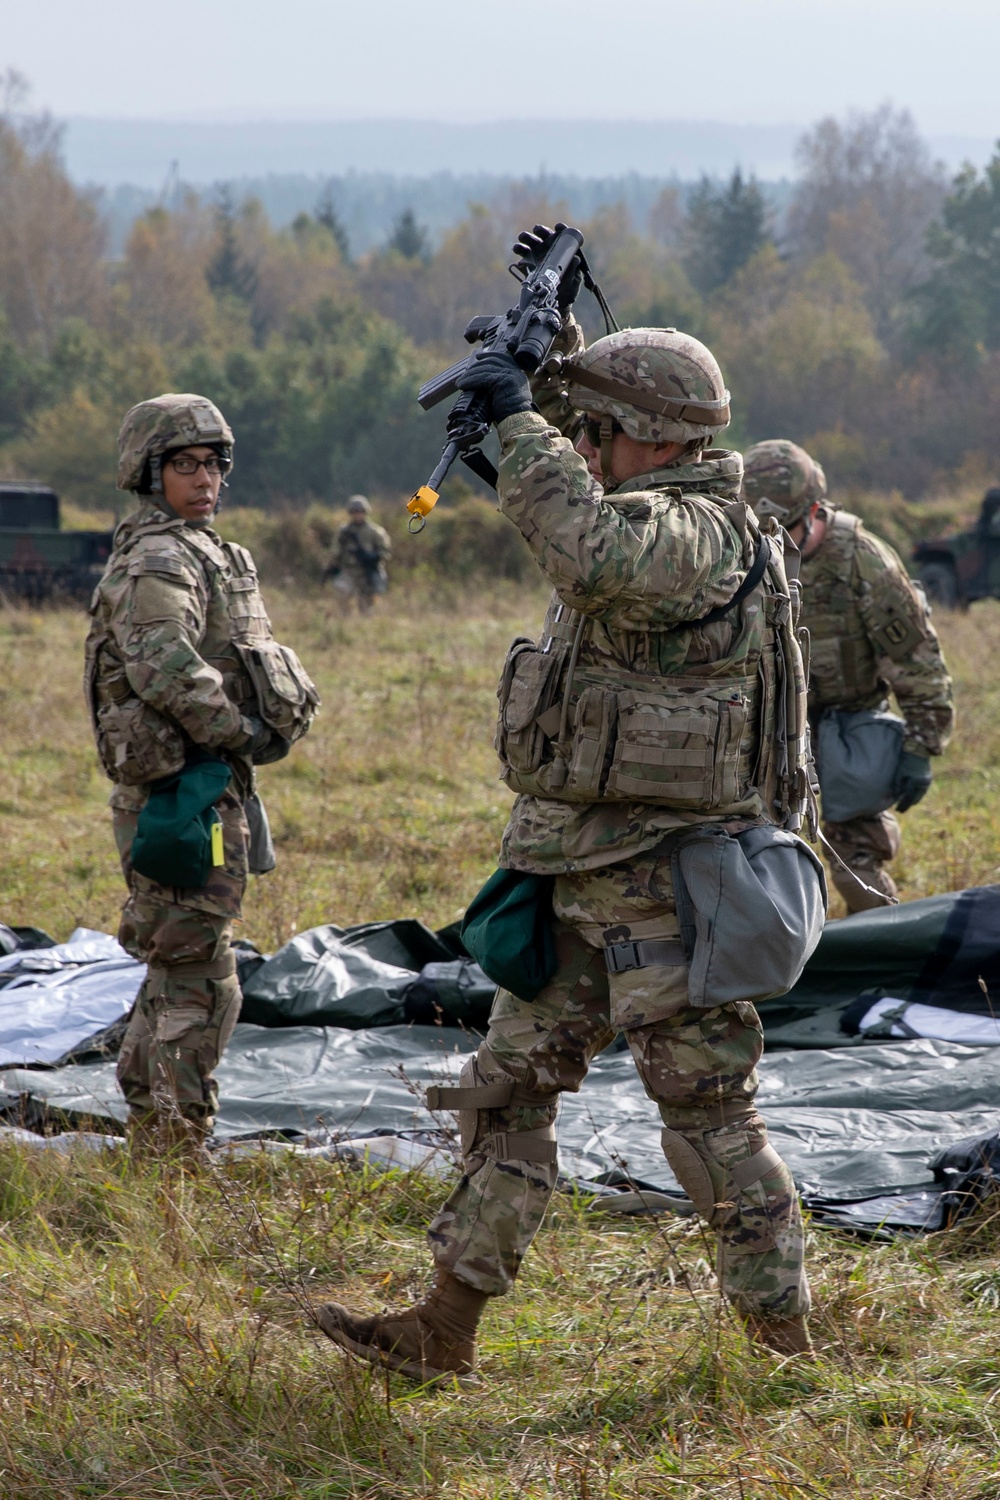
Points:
(680, 408)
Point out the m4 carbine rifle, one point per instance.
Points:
(527, 331)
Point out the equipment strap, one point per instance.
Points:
(520, 1145)
(750, 582)
(712, 413)
(655, 953)
(483, 1096)
(745, 1173)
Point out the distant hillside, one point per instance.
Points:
(108, 152)
(368, 203)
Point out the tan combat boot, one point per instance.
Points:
(433, 1340)
(781, 1335)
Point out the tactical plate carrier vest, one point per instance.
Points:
(706, 717)
(843, 658)
(135, 741)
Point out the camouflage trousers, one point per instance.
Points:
(865, 845)
(699, 1066)
(189, 1002)
(351, 584)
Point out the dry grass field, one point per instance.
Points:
(151, 1329)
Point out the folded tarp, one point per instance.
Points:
(932, 952)
(375, 974)
(858, 1128)
(55, 1001)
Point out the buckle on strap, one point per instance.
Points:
(521, 1145)
(655, 953)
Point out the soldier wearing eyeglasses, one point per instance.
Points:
(173, 676)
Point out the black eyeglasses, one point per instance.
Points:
(592, 429)
(186, 463)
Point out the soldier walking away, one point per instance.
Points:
(184, 680)
(361, 552)
(645, 714)
(870, 633)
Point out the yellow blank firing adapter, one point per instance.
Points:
(218, 848)
(420, 506)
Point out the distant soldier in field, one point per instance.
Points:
(870, 633)
(641, 721)
(186, 687)
(361, 552)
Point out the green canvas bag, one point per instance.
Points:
(508, 931)
(178, 840)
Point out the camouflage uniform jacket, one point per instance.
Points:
(362, 552)
(164, 671)
(870, 631)
(637, 570)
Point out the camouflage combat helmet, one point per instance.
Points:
(359, 503)
(780, 479)
(154, 427)
(659, 385)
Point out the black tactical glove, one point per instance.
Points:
(498, 377)
(531, 248)
(262, 744)
(913, 779)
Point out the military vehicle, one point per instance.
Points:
(954, 570)
(37, 560)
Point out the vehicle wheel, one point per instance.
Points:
(940, 584)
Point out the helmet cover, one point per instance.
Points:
(153, 428)
(781, 479)
(678, 389)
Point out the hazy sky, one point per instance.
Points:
(759, 61)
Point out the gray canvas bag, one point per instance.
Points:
(261, 858)
(857, 756)
(751, 911)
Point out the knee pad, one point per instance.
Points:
(483, 1086)
(710, 1177)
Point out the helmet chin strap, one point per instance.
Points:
(607, 437)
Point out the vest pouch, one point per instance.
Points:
(751, 910)
(857, 758)
(527, 688)
(684, 751)
(136, 743)
(286, 696)
(595, 718)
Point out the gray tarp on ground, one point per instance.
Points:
(54, 999)
(852, 1124)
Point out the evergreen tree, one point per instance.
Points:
(228, 271)
(408, 238)
(726, 227)
(327, 215)
(958, 307)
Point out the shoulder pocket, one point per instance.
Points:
(163, 564)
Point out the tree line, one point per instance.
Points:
(863, 321)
